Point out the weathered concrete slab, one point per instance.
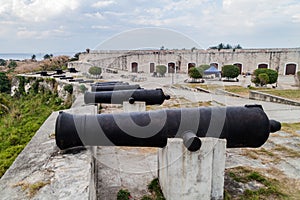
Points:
(192, 175)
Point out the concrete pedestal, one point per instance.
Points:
(189, 175)
(135, 107)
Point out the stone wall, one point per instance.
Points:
(248, 58)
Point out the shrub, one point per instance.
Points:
(4, 83)
(13, 64)
(82, 88)
(161, 69)
(272, 74)
(230, 71)
(202, 68)
(297, 79)
(194, 73)
(263, 79)
(3, 62)
(69, 88)
(123, 195)
(95, 71)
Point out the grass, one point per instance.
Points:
(123, 194)
(270, 189)
(26, 114)
(291, 128)
(289, 94)
(32, 189)
(156, 193)
(287, 151)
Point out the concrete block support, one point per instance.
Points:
(189, 175)
(135, 107)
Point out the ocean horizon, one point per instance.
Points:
(24, 56)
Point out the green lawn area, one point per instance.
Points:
(289, 94)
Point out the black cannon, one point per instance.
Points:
(59, 71)
(66, 78)
(246, 126)
(110, 83)
(150, 97)
(72, 70)
(100, 88)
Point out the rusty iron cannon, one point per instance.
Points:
(150, 97)
(246, 126)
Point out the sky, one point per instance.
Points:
(31, 26)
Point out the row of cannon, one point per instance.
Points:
(59, 73)
(241, 126)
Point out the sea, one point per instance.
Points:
(39, 56)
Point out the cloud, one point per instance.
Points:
(37, 10)
(102, 4)
(24, 33)
(97, 15)
(100, 27)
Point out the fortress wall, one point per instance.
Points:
(249, 58)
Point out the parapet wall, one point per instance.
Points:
(248, 59)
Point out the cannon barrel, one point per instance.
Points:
(150, 97)
(100, 88)
(110, 83)
(246, 126)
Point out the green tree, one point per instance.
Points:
(272, 74)
(47, 56)
(230, 71)
(33, 57)
(263, 79)
(4, 83)
(12, 64)
(161, 69)
(95, 71)
(202, 68)
(3, 62)
(221, 46)
(238, 46)
(194, 73)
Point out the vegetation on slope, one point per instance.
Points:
(25, 115)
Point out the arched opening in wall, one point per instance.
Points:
(262, 65)
(240, 66)
(216, 65)
(290, 69)
(171, 67)
(134, 67)
(190, 65)
(152, 67)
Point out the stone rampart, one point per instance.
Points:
(247, 59)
